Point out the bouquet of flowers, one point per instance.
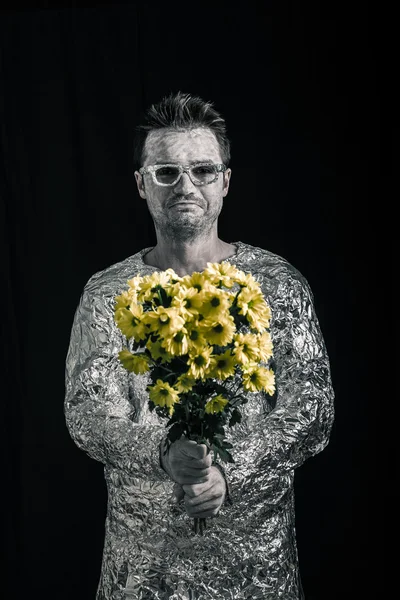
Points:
(205, 340)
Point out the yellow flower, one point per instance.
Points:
(220, 331)
(136, 363)
(162, 394)
(197, 280)
(257, 379)
(221, 273)
(216, 404)
(172, 275)
(182, 300)
(164, 321)
(253, 305)
(247, 280)
(130, 322)
(223, 365)
(178, 344)
(184, 383)
(146, 288)
(125, 300)
(246, 347)
(135, 282)
(265, 346)
(199, 363)
(212, 303)
(158, 351)
(196, 339)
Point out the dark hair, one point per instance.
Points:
(180, 112)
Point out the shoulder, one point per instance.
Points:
(113, 279)
(270, 268)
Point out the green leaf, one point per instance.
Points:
(235, 418)
(176, 432)
(228, 445)
(224, 454)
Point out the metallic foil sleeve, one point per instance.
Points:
(248, 550)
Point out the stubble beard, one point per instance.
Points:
(186, 228)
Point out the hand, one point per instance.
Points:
(187, 462)
(203, 500)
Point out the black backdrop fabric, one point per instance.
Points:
(297, 86)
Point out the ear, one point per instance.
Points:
(227, 177)
(140, 184)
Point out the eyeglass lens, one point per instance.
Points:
(200, 174)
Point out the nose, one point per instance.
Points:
(184, 185)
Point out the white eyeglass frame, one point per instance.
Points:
(151, 169)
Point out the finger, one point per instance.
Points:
(196, 489)
(192, 449)
(205, 497)
(183, 462)
(177, 493)
(200, 463)
(195, 472)
(189, 481)
(208, 509)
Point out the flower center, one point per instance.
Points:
(178, 337)
(215, 302)
(194, 335)
(164, 318)
(200, 361)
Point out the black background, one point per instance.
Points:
(297, 86)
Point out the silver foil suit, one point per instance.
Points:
(248, 550)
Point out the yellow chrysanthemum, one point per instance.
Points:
(158, 351)
(130, 322)
(196, 339)
(125, 299)
(135, 282)
(162, 394)
(223, 365)
(257, 379)
(146, 288)
(253, 305)
(265, 346)
(177, 344)
(221, 273)
(184, 383)
(182, 300)
(216, 404)
(213, 303)
(220, 331)
(247, 280)
(197, 280)
(246, 348)
(164, 321)
(199, 363)
(136, 363)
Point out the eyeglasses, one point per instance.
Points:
(170, 174)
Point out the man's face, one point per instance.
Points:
(184, 210)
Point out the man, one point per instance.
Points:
(248, 549)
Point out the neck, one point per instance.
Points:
(186, 257)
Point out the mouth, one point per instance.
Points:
(184, 203)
